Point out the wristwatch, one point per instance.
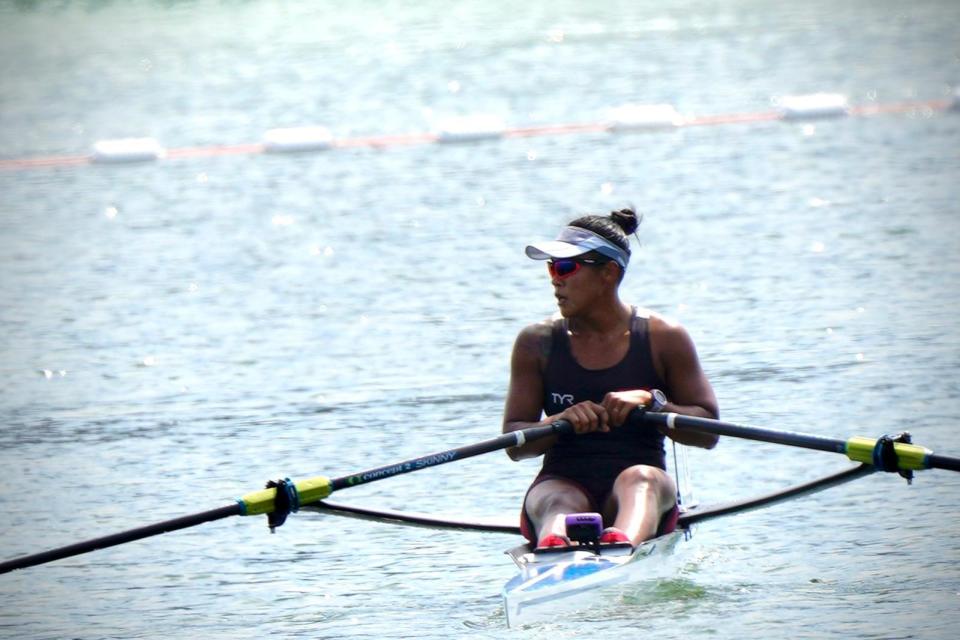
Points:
(658, 401)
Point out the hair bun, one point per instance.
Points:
(626, 219)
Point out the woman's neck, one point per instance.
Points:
(611, 318)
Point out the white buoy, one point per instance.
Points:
(956, 99)
(814, 105)
(470, 128)
(640, 117)
(294, 139)
(127, 150)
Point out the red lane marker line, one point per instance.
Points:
(386, 141)
(37, 163)
(218, 150)
(379, 142)
(557, 129)
(735, 118)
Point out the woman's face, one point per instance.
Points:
(577, 282)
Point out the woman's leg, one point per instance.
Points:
(549, 501)
(640, 497)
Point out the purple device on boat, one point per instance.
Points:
(584, 528)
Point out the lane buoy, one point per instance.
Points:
(294, 139)
(470, 129)
(127, 150)
(814, 105)
(639, 117)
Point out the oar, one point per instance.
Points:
(886, 453)
(279, 498)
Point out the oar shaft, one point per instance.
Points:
(505, 441)
(949, 463)
(791, 438)
(307, 491)
(313, 490)
(909, 456)
(119, 538)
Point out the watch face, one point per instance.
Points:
(659, 400)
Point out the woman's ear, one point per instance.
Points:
(611, 272)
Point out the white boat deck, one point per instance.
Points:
(549, 581)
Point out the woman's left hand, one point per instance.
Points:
(619, 404)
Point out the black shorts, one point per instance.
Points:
(597, 488)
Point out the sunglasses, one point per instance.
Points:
(563, 268)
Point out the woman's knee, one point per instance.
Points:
(644, 478)
(556, 497)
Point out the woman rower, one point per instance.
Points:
(592, 364)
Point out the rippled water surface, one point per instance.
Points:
(173, 334)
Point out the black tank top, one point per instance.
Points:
(567, 383)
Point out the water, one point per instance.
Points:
(174, 334)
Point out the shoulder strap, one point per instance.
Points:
(640, 336)
(558, 336)
(638, 326)
(555, 343)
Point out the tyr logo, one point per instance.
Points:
(563, 399)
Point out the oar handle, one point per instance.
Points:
(530, 434)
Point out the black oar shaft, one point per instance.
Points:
(505, 441)
(791, 438)
(265, 503)
(119, 538)
(937, 461)
(858, 449)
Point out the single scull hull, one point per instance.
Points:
(549, 583)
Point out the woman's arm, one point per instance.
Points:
(690, 393)
(524, 404)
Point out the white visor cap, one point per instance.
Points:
(576, 241)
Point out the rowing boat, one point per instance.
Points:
(558, 580)
(550, 582)
(565, 583)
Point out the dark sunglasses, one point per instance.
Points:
(563, 268)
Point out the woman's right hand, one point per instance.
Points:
(586, 417)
